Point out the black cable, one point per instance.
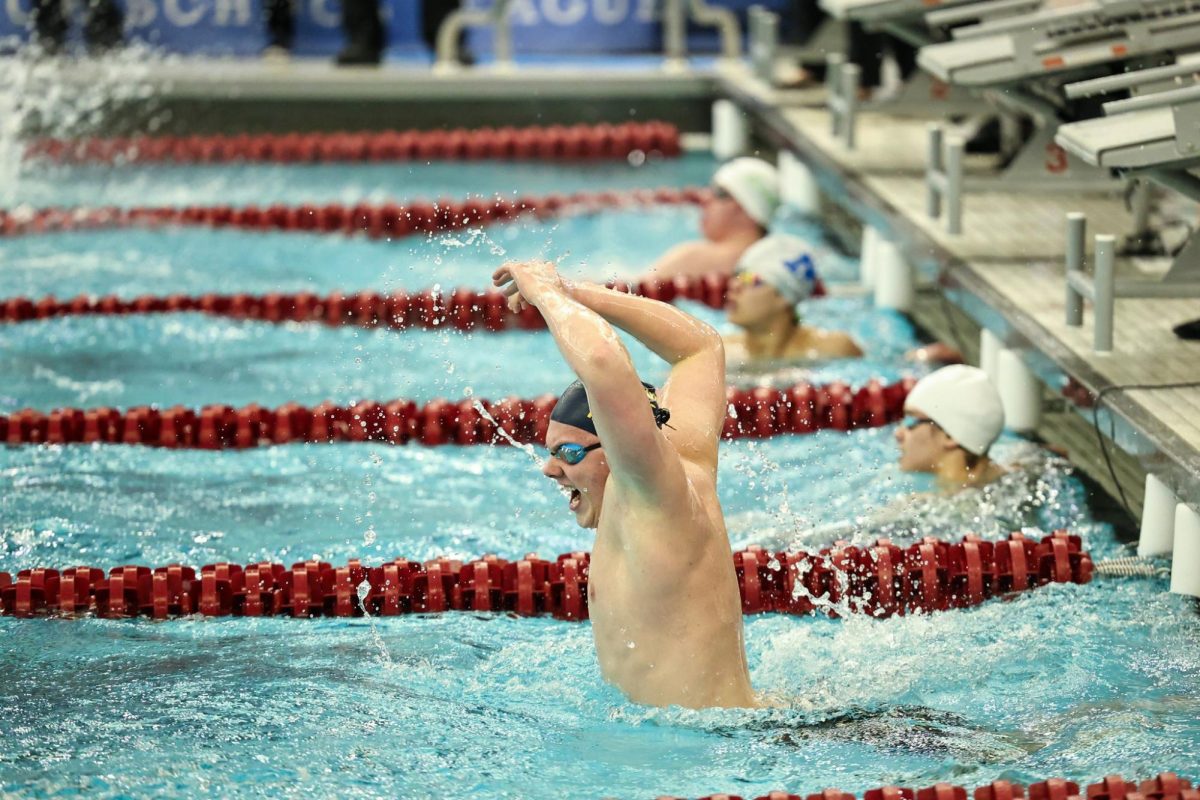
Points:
(1112, 425)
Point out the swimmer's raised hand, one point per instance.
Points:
(524, 283)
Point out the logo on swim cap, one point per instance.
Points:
(804, 260)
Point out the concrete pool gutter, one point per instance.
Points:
(880, 184)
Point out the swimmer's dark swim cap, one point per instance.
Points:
(572, 408)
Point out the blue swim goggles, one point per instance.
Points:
(572, 453)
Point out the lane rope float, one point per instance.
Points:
(1166, 786)
(881, 580)
(377, 221)
(462, 309)
(537, 143)
(751, 413)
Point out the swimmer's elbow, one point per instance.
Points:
(607, 358)
(709, 340)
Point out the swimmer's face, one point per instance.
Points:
(922, 443)
(721, 216)
(749, 302)
(584, 481)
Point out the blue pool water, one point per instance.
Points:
(1073, 681)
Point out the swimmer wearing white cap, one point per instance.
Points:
(640, 469)
(772, 277)
(745, 195)
(953, 417)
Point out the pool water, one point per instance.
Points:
(1070, 681)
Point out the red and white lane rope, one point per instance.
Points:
(881, 580)
(549, 143)
(1166, 786)
(461, 309)
(752, 413)
(378, 221)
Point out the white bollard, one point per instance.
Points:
(1020, 392)
(797, 186)
(1185, 563)
(870, 256)
(1158, 519)
(989, 354)
(893, 275)
(731, 130)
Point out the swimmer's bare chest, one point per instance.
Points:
(644, 577)
(620, 585)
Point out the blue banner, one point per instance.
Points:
(237, 27)
(233, 27)
(600, 26)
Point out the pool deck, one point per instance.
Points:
(1004, 272)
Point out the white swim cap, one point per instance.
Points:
(963, 402)
(754, 184)
(785, 262)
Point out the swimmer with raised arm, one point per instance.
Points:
(745, 196)
(662, 593)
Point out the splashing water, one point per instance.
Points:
(525, 447)
(62, 97)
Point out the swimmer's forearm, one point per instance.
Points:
(591, 347)
(671, 334)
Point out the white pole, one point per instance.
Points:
(797, 186)
(1020, 392)
(731, 130)
(1158, 518)
(989, 354)
(870, 256)
(894, 285)
(1185, 564)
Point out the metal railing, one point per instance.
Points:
(496, 17)
(674, 14)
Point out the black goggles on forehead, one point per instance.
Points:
(572, 453)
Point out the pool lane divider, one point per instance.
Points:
(881, 580)
(1166, 786)
(377, 221)
(751, 413)
(536, 143)
(461, 309)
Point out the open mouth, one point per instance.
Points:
(576, 497)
